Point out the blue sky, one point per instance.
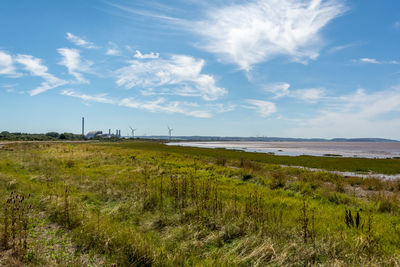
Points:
(305, 68)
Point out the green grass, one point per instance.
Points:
(383, 166)
(144, 203)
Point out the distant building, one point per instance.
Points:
(93, 134)
(107, 135)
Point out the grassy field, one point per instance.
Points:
(144, 204)
(362, 165)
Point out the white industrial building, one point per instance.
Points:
(93, 134)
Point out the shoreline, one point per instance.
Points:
(369, 150)
(348, 173)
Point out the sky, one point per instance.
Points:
(288, 68)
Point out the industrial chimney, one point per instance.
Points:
(83, 126)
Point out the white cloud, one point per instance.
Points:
(147, 13)
(113, 52)
(356, 115)
(396, 25)
(36, 68)
(146, 56)
(161, 105)
(101, 98)
(342, 47)
(8, 85)
(73, 62)
(222, 108)
(375, 61)
(7, 65)
(178, 75)
(113, 49)
(264, 108)
(278, 89)
(158, 105)
(281, 89)
(311, 95)
(79, 41)
(258, 30)
(369, 60)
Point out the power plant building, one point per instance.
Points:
(93, 134)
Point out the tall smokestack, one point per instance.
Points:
(83, 126)
(109, 131)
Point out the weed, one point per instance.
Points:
(221, 161)
(16, 220)
(278, 180)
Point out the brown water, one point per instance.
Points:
(344, 149)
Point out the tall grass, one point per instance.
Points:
(142, 206)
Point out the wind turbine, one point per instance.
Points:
(169, 132)
(133, 131)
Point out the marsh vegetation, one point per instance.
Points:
(143, 203)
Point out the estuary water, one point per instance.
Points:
(337, 149)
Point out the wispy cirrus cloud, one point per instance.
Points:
(375, 61)
(359, 114)
(282, 89)
(278, 89)
(36, 68)
(162, 105)
(7, 65)
(177, 75)
(262, 107)
(79, 41)
(342, 47)
(256, 31)
(71, 59)
(148, 13)
(158, 105)
(100, 98)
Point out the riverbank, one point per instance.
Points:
(380, 150)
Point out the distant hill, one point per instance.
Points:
(362, 140)
(265, 139)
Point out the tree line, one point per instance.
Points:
(39, 137)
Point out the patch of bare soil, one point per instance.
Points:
(362, 193)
